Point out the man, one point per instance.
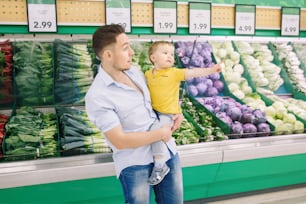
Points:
(119, 103)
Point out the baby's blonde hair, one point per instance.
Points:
(155, 45)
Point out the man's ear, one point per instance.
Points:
(107, 54)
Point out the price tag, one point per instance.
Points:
(199, 18)
(165, 16)
(290, 21)
(41, 16)
(245, 19)
(118, 12)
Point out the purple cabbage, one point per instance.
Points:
(234, 113)
(219, 85)
(263, 129)
(249, 130)
(225, 118)
(192, 90)
(211, 91)
(236, 130)
(202, 88)
(259, 116)
(247, 117)
(215, 76)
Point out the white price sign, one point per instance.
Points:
(290, 21)
(165, 16)
(199, 18)
(245, 19)
(41, 16)
(119, 12)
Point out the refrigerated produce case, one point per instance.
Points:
(210, 169)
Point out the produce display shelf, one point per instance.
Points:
(243, 164)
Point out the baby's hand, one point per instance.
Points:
(218, 67)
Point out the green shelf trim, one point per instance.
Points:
(203, 181)
(71, 30)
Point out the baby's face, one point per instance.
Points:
(163, 57)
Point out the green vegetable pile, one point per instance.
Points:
(78, 134)
(186, 134)
(30, 133)
(140, 57)
(210, 131)
(73, 74)
(95, 61)
(33, 62)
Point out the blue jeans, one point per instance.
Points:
(136, 189)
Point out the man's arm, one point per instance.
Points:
(122, 140)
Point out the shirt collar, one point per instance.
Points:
(108, 79)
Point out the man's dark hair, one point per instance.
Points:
(105, 35)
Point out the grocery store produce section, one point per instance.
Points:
(244, 129)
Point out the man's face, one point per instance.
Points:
(122, 53)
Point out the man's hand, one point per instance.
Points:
(177, 121)
(166, 133)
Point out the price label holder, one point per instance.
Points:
(165, 17)
(199, 18)
(42, 15)
(290, 21)
(245, 19)
(119, 12)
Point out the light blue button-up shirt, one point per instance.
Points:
(109, 104)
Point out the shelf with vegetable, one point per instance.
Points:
(4, 117)
(77, 134)
(258, 60)
(6, 74)
(210, 127)
(287, 58)
(189, 131)
(33, 79)
(236, 78)
(293, 106)
(73, 72)
(243, 120)
(140, 57)
(30, 133)
(300, 50)
(198, 54)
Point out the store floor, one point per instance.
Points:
(286, 195)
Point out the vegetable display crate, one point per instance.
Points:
(265, 74)
(209, 126)
(31, 133)
(290, 85)
(77, 134)
(198, 54)
(4, 117)
(6, 74)
(241, 120)
(270, 102)
(189, 131)
(33, 73)
(73, 72)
